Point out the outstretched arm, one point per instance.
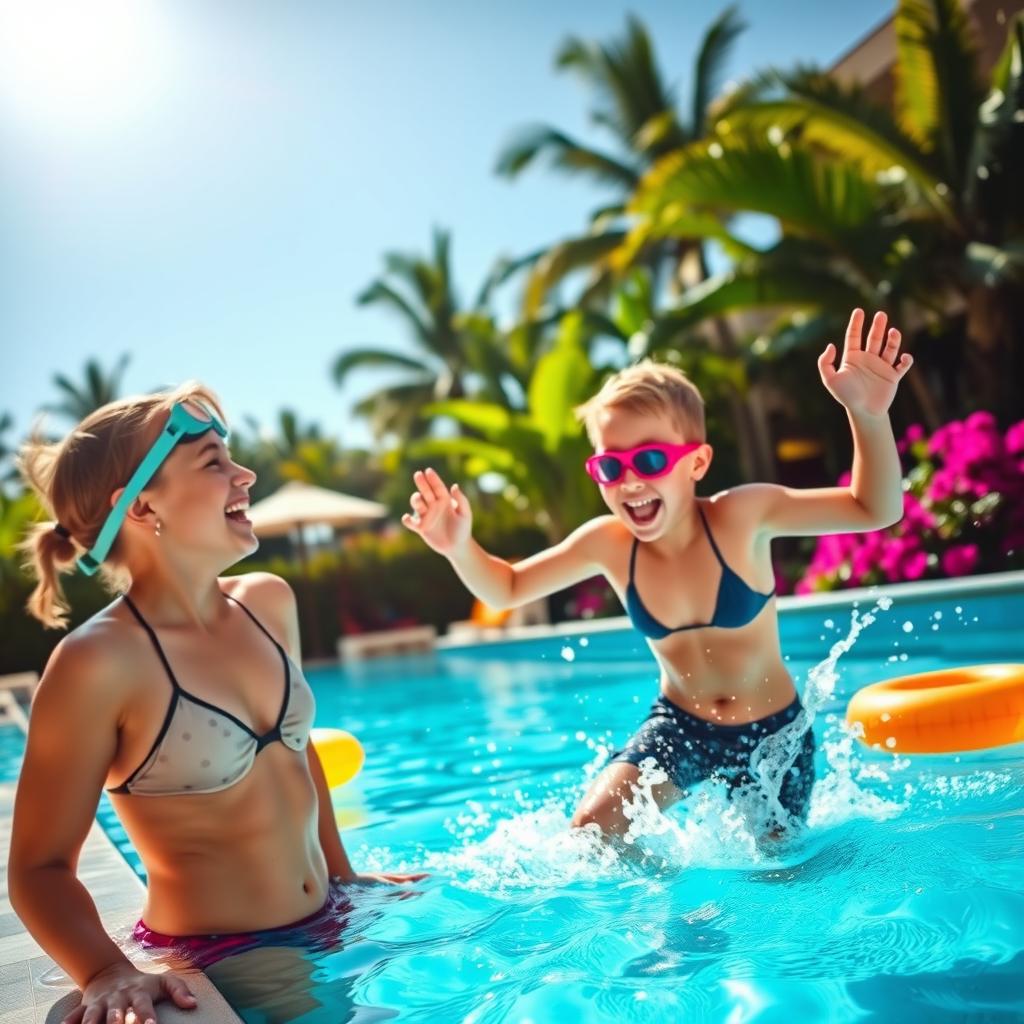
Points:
(443, 518)
(864, 384)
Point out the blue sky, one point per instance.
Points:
(209, 185)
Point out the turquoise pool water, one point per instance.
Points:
(904, 901)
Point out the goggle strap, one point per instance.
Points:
(88, 564)
(142, 476)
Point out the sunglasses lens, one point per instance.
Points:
(650, 461)
(609, 469)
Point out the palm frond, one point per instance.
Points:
(503, 270)
(563, 258)
(715, 49)
(361, 358)
(382, 293)
(565, 154)
(937, 88)
(812, 109)
(754, 287)
(396, 409)
(811, 195)
(626, 80)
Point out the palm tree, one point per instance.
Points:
(455, 352)
(640, 112)
(917, 210)
(96, 390)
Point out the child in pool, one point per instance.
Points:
(695, 574)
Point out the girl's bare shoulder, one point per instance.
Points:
(98, 664)
(270, 598)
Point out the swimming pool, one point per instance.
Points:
(905, 901)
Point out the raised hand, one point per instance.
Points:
(442, 517)
(868, 375)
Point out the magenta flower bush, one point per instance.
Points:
(963, 512)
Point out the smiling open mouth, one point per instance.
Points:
(236, 512)
(643, 512)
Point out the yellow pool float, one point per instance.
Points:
(966, 708)
(340, 753)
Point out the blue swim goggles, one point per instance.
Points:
(182, 423)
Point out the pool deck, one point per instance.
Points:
(118, 894)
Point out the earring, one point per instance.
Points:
(158, 525)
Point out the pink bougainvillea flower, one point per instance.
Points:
(960, 560)
(915, 515)
(942, 485)
(960, 464)
(1014, 439)
(914, 566)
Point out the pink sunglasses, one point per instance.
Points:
(647, 461)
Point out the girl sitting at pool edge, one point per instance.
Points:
(694, 574)
(184, 699)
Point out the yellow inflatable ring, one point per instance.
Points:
(341, 755)
(967, 708)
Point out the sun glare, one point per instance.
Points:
(73, 66)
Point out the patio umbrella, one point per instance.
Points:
(296, 505)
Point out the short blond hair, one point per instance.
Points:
(73, 480)
(649, 387)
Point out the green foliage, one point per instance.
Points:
(541, 449)
(916, 211)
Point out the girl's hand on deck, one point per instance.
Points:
(868, 376)
(442, 517)
(109, 996)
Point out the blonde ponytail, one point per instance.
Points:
(48, 555)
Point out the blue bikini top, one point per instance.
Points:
(737, 604)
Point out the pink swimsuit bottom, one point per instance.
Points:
(320, 931)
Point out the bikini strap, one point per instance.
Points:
(632, 559)
(153, 637)
(711, 537)
(274, 733)
(263, 628)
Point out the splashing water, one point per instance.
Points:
(535, 848)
